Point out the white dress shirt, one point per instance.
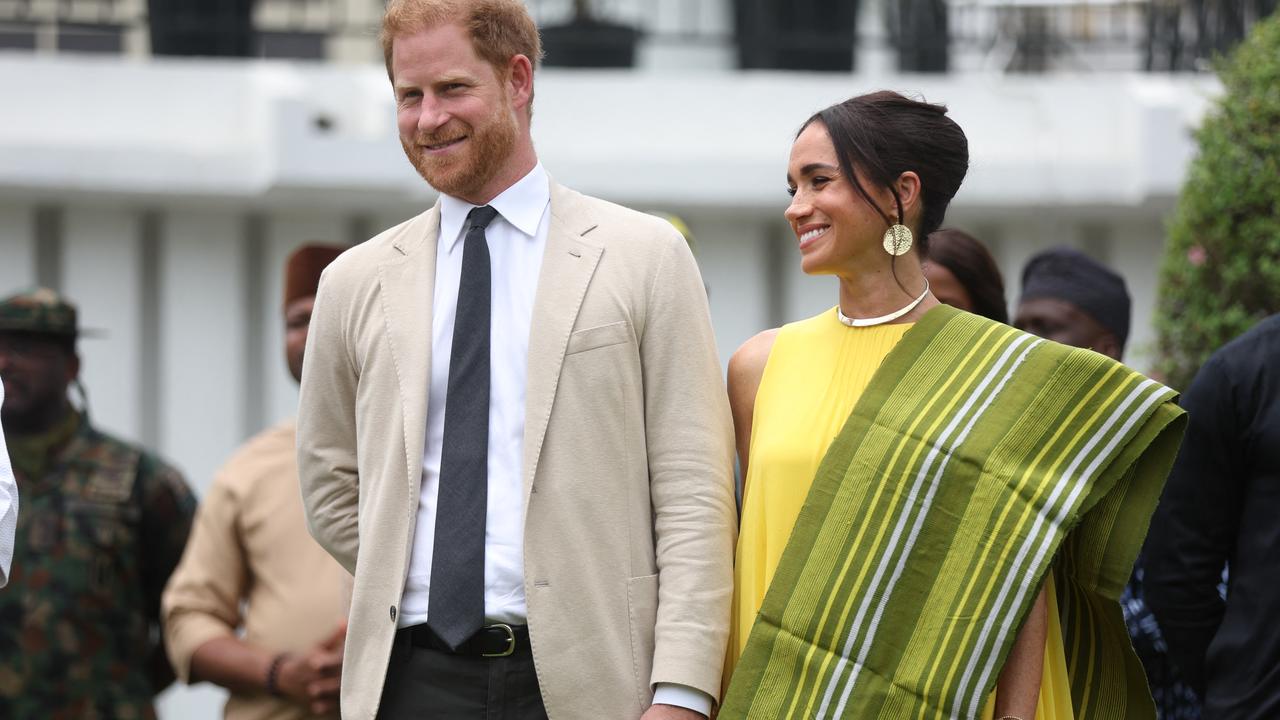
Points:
(8, 506)
(517, 238)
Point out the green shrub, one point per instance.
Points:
(1221, 270)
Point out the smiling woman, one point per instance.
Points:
(907, 469)
(851, 183)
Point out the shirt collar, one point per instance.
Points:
(521, 205)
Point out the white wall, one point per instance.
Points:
(17, 246)
(202, 341)
(248, 131)
(100, 269)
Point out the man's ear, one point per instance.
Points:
(520, 81)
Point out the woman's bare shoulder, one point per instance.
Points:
(748, 361)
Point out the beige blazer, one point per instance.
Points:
(629, 512)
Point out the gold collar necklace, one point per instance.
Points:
(868, 322)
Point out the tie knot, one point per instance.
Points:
(481, 217)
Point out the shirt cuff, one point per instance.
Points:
(683, 696)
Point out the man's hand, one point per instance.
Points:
(313, 679)
(671, 712)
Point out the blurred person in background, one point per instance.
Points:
(962, 274)
(915, 496)
(681, 226)
(256, 606)
(1073, 299)
(1069, 297)
(1220, 510)
(103, 524)
(8, 505)
(512, 426)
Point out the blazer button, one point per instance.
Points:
(393, 613)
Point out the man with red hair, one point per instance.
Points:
(513, 428)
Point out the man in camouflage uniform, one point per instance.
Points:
(102, 525)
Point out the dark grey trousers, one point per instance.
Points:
(426, 684)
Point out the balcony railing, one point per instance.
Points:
(921, 35)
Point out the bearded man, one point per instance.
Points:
(513, 429)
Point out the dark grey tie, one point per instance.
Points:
(455, 606)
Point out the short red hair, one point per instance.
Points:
(499, 29)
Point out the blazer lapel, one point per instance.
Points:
(407, 289)
(567, 267)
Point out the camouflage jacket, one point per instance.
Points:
(97, 537)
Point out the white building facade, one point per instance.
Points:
(163, 195)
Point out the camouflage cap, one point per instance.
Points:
(39, 311)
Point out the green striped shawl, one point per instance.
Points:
(978, 457)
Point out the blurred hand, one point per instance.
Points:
(312, 679)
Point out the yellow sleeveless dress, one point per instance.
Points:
(816, 371)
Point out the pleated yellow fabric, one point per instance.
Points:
(815, 374)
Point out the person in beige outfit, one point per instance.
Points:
(251, 566)
(513, 428)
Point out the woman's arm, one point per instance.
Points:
(746, 367)
(1018, 688)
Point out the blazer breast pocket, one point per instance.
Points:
(593, 338)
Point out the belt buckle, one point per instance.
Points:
(511, 641)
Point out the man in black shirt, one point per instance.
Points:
(1221, 507)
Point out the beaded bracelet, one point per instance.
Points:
(273, 674)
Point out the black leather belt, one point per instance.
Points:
(497, 640)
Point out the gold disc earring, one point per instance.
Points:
(897, 239)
